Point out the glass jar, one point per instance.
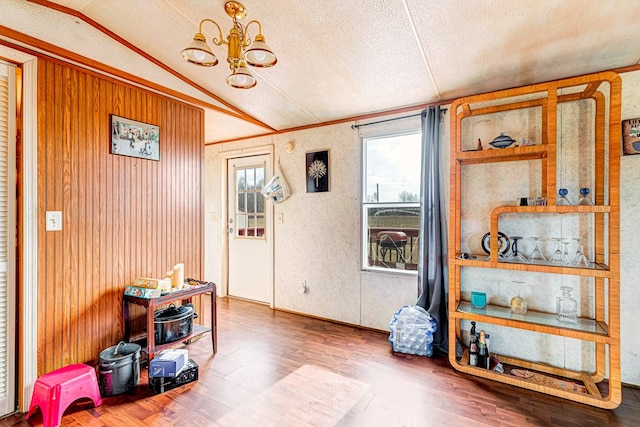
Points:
(567, 307)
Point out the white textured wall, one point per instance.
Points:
(319, 241)
(629, 241)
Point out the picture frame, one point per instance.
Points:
(631, 136)
(134, 139)
(317, 171)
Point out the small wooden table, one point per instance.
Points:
(185, 295)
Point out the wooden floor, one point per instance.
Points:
(280, 369)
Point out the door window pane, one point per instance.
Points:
(250, 221)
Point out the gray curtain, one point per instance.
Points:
(433, 269)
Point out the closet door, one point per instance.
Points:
(7, 237)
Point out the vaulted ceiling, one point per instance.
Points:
(336, 58)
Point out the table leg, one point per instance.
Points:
(151, 332)
(214, 326)
(127, 326)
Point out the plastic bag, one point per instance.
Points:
(412, 331)
(276, 189)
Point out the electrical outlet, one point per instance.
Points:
(53, 221)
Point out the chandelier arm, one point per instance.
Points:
(246, 37)
(217, 42)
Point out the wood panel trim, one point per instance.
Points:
(110, 71)
(150, 58)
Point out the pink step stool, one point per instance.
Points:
(55, 391)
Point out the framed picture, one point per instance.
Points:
(317, 171)
(631, 136)
(134, 139)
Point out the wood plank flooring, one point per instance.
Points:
(280, 369)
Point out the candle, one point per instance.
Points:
(178, 276)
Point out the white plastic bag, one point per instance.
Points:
(276, 189)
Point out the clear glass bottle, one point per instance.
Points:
(584, 197)
(566, 307)
(562, 200)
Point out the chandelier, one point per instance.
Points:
(240, 52)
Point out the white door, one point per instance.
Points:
(7, 238)
(247, 222)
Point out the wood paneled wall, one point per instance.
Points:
(122, 217)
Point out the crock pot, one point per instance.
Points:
(173, 323)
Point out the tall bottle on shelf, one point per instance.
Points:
(473, 345)
(483, 352)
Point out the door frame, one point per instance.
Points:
(27, 316)
(223, 159)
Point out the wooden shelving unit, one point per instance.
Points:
(602, 91)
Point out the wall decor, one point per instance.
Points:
(134, 139)
(631, 136)
(317, 171)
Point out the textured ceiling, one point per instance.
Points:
(342, 58)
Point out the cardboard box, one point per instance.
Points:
(135, 291)
(187, 375)
(168, 363)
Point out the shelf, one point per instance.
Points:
(550, 209)
(482, 261)
(197, 332)
(530, 152)
(587, 329)
(574, 385)
(479, 194)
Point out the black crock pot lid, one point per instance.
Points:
(173, 311)
(123, 350)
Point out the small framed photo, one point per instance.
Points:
(317, 171)
(134, 139)
(631, 136)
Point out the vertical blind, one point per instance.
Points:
(7, 242)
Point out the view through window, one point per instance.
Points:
(391, 202)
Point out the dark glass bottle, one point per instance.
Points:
(473, 346)
(483, 352)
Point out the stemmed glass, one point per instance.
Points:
(580, 258)
(584, 197)
(562, 200)
(536, 255)
(565, 252)
(514, 255)
(556, 258)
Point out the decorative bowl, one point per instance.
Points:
(636, 146)
(502, 141)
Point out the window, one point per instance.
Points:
(249, 202)
(391, 202)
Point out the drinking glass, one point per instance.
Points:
(557, 258)
(580, 259)
(584, 197)
(514, 255)
(536, 255)
(562, 200)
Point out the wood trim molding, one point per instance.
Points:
(64, 9)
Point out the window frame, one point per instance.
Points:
(366, 205)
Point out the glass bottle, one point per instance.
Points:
(562, 200)
(566, 307)
(473, 345)
(483, 352)
(584, 197)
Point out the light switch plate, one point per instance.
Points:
(54, 221)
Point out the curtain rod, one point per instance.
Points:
(442, 110)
